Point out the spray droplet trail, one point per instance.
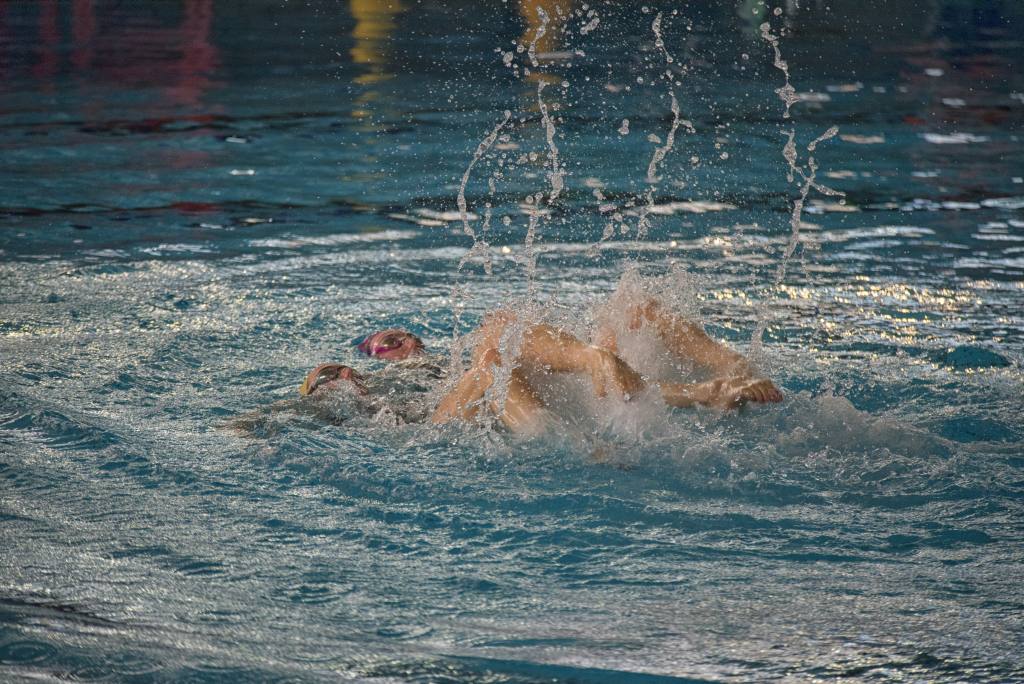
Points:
(786, 93)
(538, 34)
(807, 174)
(480, 247)
(659, 154)
(556, 174)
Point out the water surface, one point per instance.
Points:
(201, 201)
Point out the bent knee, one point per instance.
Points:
(499, 318)
(644, 311)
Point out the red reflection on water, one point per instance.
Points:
(49, 44)
(135, 51)
(195, 207)
(198, 55)
(136, 68)
(179, 60)
(113, 43)
(83, 30)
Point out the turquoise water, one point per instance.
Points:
(201, 201)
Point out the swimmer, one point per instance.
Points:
(334, 392)
(403, 350)
(399, 389)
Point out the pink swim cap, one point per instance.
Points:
(391, 345)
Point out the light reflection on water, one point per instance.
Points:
(201, 201)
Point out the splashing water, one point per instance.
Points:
(786, 93)
(808, 174)
(556, 175)
(538, 34)
(480, 247)
(643, 224)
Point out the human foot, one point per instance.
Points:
(735, 392)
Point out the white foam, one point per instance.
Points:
(863, 139)
(446, 216)
(687, 207)
(953, 138)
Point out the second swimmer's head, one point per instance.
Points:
(391, 345)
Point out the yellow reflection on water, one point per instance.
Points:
(372, 33)
(545, 28)
(375, 22)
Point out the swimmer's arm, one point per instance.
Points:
(688, 395)
(737, 381)
(463, 402)
(556, 351)
(543, 347)
(723, 394)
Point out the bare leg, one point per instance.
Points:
(556, 351)
(551, 350)
(687, 340)
(735, 381)
(523, 412)
(522, 409)
(463, 401)
(545, 349)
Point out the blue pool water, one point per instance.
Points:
(200, 201)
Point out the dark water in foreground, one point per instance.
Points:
(200, 201)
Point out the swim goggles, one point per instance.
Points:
(327, 373)
(392, 345)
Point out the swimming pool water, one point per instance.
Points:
(201, 201)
